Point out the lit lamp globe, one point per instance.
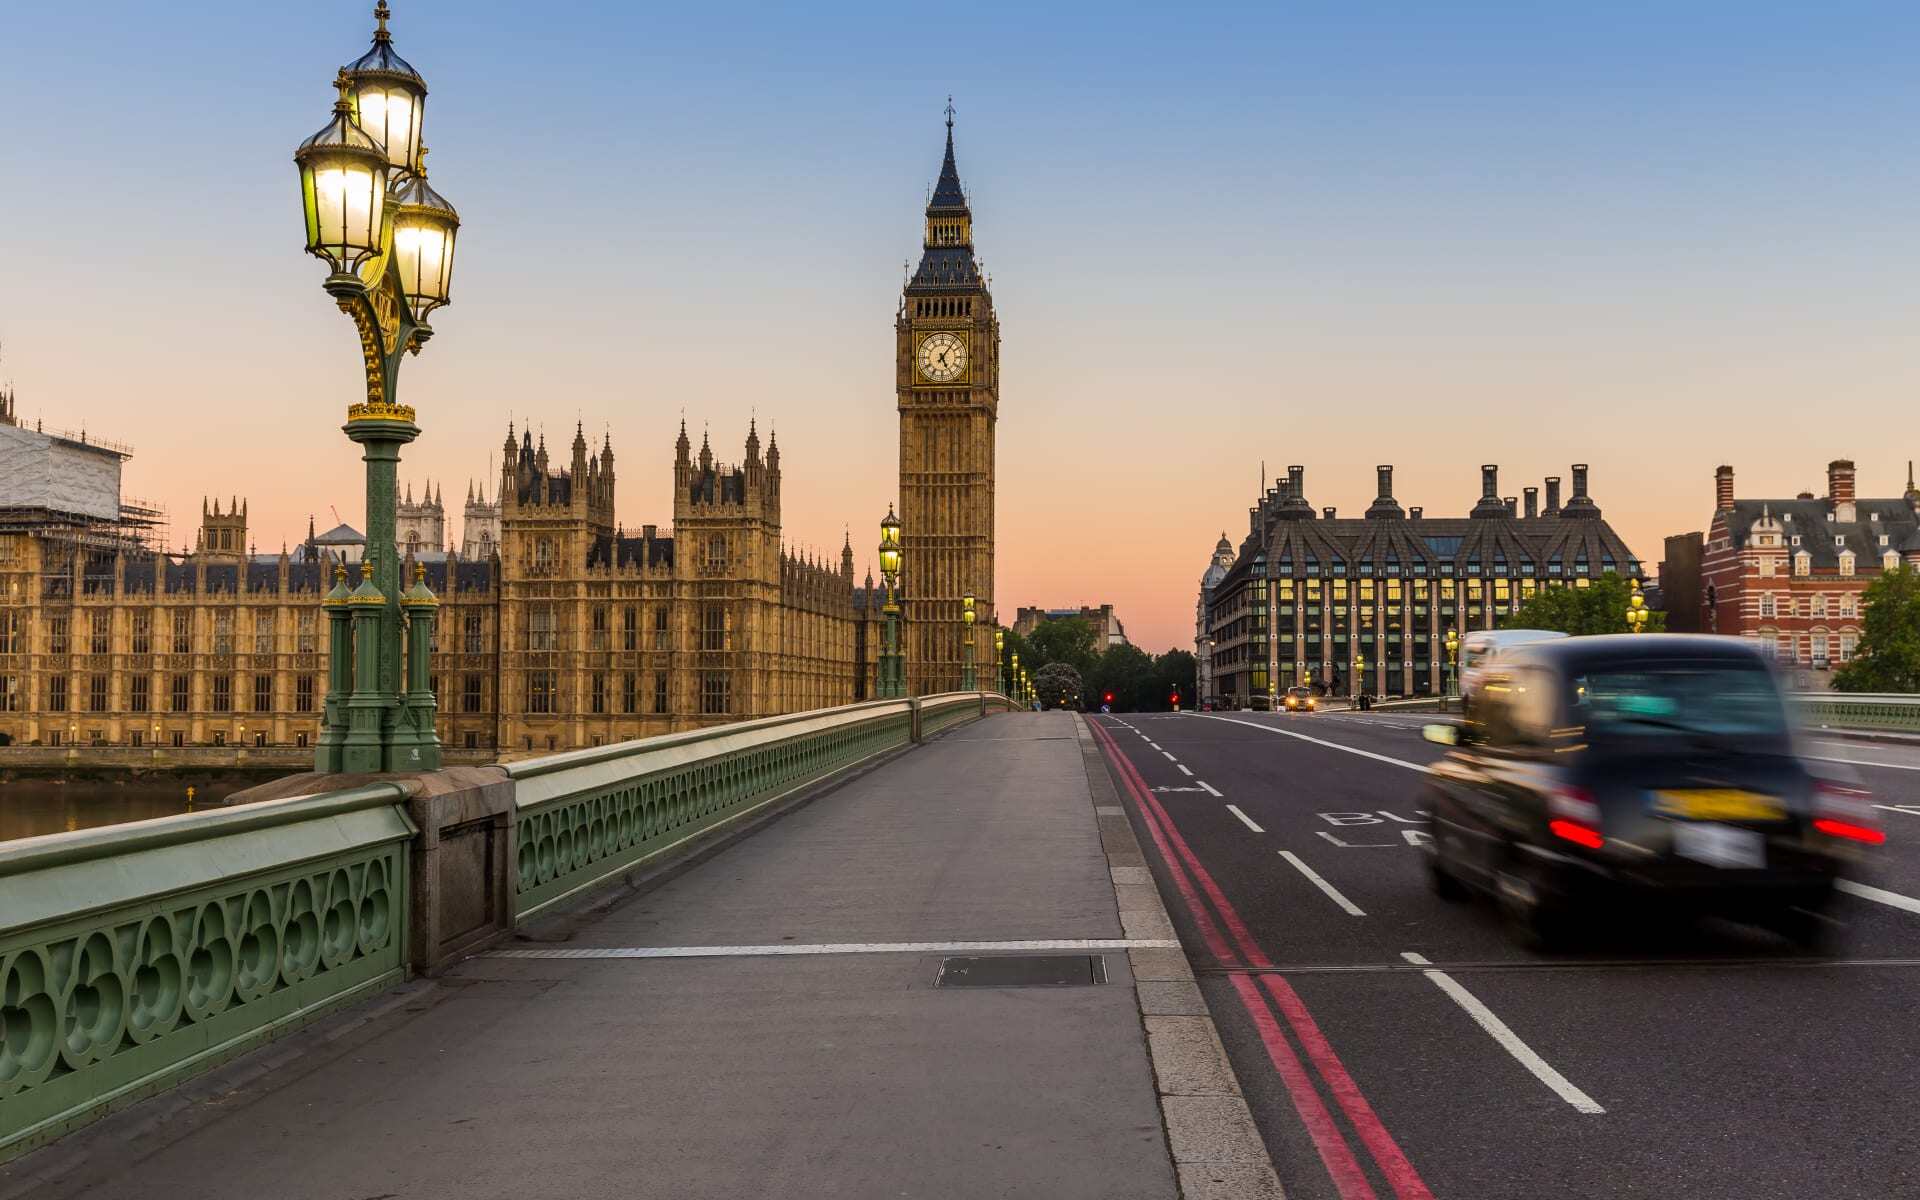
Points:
(966, 608)
(389, 97)
(424, 228)
(890, 547)
(343, 185)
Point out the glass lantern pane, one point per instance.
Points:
(392, 115)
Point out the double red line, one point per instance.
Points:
(1236, 947)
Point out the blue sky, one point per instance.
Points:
(1653, 237)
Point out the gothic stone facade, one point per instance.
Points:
(1309, 593)
(577, 634)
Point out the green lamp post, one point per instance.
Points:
(1637, 610)
(388, 238)
(893, 679)
(967, 616)
(1453, 660)
(1000, 660)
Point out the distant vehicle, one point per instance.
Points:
(1688, 790)
(1300, 699)
(1483, 647)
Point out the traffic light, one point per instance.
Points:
(1173, 698)
(1107, 697)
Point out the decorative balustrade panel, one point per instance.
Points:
(122, 970)
(574, 841)
(1842, 710)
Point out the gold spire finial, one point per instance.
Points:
(419, 572)
(344, 82)
(340, 572)
(380, 15)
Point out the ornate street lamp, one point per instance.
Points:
(1000, 660)
(388, 238)
(892, 682)
(1359, 677)
(1453, 659)
(1637, 610)
(967, 617)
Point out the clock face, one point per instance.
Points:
(943, 356)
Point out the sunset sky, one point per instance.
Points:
(1653, 237)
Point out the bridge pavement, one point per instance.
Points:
(695, 1040)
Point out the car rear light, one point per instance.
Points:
(1847, 813)
(1573, 816)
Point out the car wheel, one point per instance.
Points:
(1533, 920)
(1445, 883)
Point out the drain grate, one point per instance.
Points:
(1023, 970)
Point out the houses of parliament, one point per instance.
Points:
(558, 626)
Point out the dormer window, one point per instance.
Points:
(1890, 561)
(1846, 562)
(1796, 539)
(1839, 540)
(1802, 563)
(1883, 539)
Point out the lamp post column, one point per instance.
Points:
(368, 707)
(967, 617)
(333, 732)
(415, 736)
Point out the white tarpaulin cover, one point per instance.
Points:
(41, 471)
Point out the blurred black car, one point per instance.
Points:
(1598, 770)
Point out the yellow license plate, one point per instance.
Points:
(1718, 804)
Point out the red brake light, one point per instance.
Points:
(1579, 835)
(1574, 816)
(1845, 813)
(1850, 831)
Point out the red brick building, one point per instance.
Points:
(1790, 571)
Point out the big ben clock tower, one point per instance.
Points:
(947, 376)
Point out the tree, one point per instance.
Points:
(1127, 672)
(1067, 640)
(1888, 656)
(1600, 607)
(1175, 669)
(1057, 685)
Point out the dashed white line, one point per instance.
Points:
(1862, 762)
(1333, 893)
(1398, 762)
(1156, 746)
(1890, 899)
(1168, 757)
(1211, 791)
(1184, 769)
(1244, 818)
(1509, 1041)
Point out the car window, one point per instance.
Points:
(1495, 710)
(1531, 705)
(1668, 700)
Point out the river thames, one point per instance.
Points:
(32, 807)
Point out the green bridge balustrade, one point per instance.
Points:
(136, 955)
(1860, 710)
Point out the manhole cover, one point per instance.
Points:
(1023, 970)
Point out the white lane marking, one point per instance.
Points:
(1509, 1041)
(1244, 818)
(1862, 762)
(1168, 757)
(1333, 893)
(1184, 768)
(1912, 810)
(1356, 845)
(1211, 791)
(1398, 762)
(785, 949)
(1890, 899)
(1156, 746)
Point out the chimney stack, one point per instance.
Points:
(1553, 496)
(1413, 514)
(1723, 489)
(1513, 505)
(1580, 481)
(1327, 512)
(1490, 482)
(1840, 489)
(1533, 501)
(1384, 474)
(1297, 480)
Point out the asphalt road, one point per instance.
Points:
(1392, 1044)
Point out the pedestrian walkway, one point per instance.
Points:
(765, 1024)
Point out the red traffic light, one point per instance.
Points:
(1108, 697)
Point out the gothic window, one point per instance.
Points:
(470, 629)
(715, 693)
(661, 637)
(540, 627)
(137, 695)
(223, 693)
(599, 640)
(660, 705)
(12, 632)
(263, 693)
(56, 635)
(97, 694)
(180, 697)
(713, 627)
(486, 543)
(97, 636)
(183, 633)
(56, 693)
(630, 693)
(543, 556)
(303, 694)
(599, 693)
(717, 553)
(142, 632)
(630, 629)
(223, 631)
(413, 543)
(541, 697)
(263, 632)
